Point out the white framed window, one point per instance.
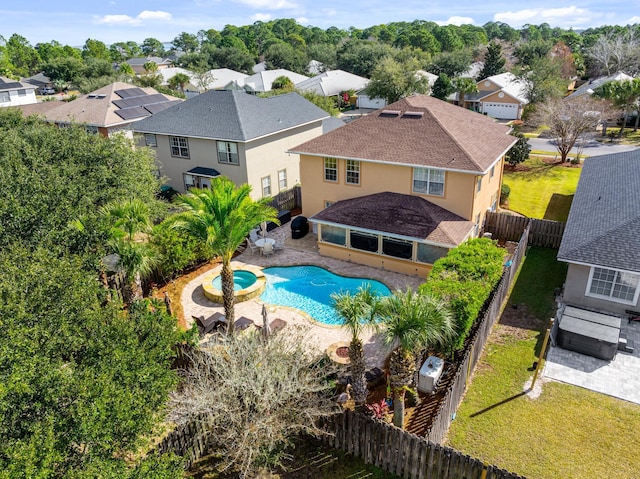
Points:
(492, 171)
(330, 169)
(4, 97)
(266, 186)
(479, 184)
(228, 152)
(282, 180)
(613, 285)
(429, 181)
(150, 139)
(22, 92)
(353, 172)
(179, 146)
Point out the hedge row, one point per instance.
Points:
(465, 279)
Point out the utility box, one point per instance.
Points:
(429, 374)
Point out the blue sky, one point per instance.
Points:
(72, 22)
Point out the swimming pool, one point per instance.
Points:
(309, 289)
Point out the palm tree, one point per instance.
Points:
(623, 94)
(464, 86)
(222, 217)
(136, 257)
(357, 311)
(412, 322)
(178, 81)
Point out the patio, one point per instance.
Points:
(618, 377)
(301, 251)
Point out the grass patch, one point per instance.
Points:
(310, 459)
(567, 432)
(541, 190)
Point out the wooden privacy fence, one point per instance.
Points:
(400, 453)
(545, 233)
(447, 408)
(288, 199)
(191, 441)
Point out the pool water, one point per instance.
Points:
(241, 279)
(309, 289)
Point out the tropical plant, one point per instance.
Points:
(464, 86)
(221, 217)
(356, 311)
(378, 409)
(135, 255)
(393, 80)
(412, 323)
(178, 81)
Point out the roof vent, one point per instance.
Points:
(91, 96)
(102, 95)
(412, 114)
(390, 113)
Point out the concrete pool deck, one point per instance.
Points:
(299, 252)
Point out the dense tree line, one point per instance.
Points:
(284, 43)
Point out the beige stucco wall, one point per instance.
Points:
(487, 85)
(375, 260)
(258, 158)
(459, 194)
(201, 153)
(495, 98)
(576, 286)
(489, 191)
(267, 156)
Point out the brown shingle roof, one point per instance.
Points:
(438, 135)
(96, 109)
(398, 214)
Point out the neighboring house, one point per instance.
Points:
(261, 81)
(366, 101)
(589, 87)
(111, 108)
(398, 188)
(39, 80)
(332, 83)
(502, 96)
(234, 134)
(137, 63)
(15, 93)
(601, 240)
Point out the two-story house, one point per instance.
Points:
(15, 93)
(400, 187)
(234, 134)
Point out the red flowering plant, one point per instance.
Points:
(378, 409)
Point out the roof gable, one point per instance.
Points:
(232, 115)
(333, 82)
(424, 131)
(588, 87)
(603, 227)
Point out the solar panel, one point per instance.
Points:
(140, 100)
(9, 85)
(157, 107)
(130, 113)
(130, 92)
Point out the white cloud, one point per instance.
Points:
(268, 4)
(329, 12)
(555, 16)
(129, 20)
(457, 21)
(302, 20)
(261, 17)
(633, 20)
(155, 15)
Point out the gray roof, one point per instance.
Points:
(232, 115)
(589, 87)
(603, 228)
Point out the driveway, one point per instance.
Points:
(592, 148)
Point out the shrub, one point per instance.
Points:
(178, 252)
(465, 278)
(378, 409)
(505, 191)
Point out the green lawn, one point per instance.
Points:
(541, 190)
(567, 432)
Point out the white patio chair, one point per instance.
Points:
(267, 249)
(279, 245)
(252, 246)
(253, 235)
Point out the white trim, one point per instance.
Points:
(610, 298)
(604, 266)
